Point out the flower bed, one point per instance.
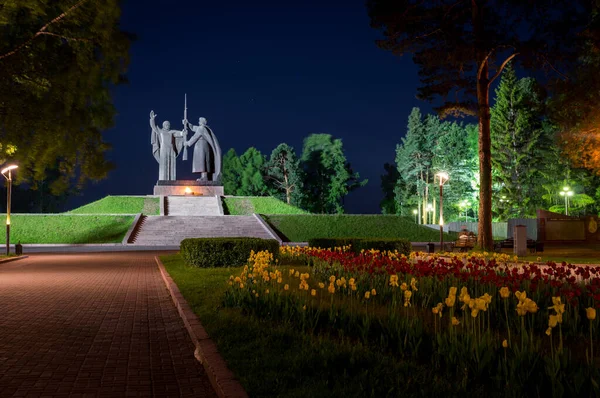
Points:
(486, 322)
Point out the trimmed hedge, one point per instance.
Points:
(224, 252)
(402, 245)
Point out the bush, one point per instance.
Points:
(402, 245)
(224, 252)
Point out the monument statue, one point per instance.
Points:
(207, 152)
(166, 146)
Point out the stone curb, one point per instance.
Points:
(8, 260)
(221, 378)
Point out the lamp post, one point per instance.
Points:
(443, 179)
(566, 192)
(8, 196)
(415, 212)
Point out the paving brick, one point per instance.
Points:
(93, 325)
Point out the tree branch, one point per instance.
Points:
(565, 77)
(501, 68)
(64, 37)
(487, 57)
(43, 29)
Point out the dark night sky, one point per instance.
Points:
(262, 74)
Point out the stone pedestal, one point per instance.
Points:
(188, 187)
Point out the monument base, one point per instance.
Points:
(189, 188)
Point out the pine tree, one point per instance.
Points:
(284, 175)
(520, 147)
(389, 181)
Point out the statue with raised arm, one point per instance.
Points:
(207, 153)
(166, 146)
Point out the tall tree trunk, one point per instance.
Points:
(485, 238)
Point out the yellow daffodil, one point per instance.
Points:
(313, 292)
(331, 288)
(286, 287)
(504, 292)
(521, 296)
(404, 286)
(367, 295)
(549, 331)
(373, 292)
(332, 279)
(553, 321)
(450, 300)
(321, 285)
(455, 321)
(474, 312)
(407, 296)
(453, 291)
(504, 343)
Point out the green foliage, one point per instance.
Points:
(66, 228)
(388, 185)
(328, 177)
(232, 170)
(58, 63)
(302, 228)
(403, 246)
(242, 176)
(273, 359)
(284, 175)
(521, 147)
(431, 146)
(258, 204)
(121, 205)
(224, 252)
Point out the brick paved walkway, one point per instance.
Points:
(93, 325)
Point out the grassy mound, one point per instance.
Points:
(241, 206)
(301, 228)
(66, 228)
(121, 205)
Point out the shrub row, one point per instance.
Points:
(224, 252)
(402, 245)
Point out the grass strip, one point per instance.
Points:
(301, 228)
(66, 229)
(277, 359)
(259, 204)
(121, 205)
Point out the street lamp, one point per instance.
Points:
(8, 195)
(415, 212)
(443, 177)
(566, 192)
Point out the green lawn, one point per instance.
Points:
(276, 359)
(258, 204)
(66, 228)
(121, 205)
(301, 228)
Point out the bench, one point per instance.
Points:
(465, 243)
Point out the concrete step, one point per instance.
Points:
(193, 206)
(171, 230)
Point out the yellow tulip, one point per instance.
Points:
(549, 331)
(450, 301)
(286, 287)
(367, 295)
(413, 284)
(590, 313)
(373, 292)
(474, 312)
(321, 285)
(455, 321)
(332, 279)
(453, 291)
(505, 343)
(313, 292)
(404, 286)
(553, 321)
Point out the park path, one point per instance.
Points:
(93, 325)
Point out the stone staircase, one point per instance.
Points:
(171, 230)
(193, 206)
